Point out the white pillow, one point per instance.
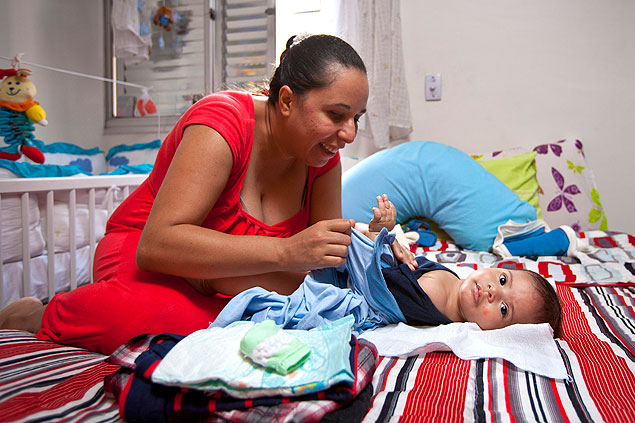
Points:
(11, 212)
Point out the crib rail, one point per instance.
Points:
(47, 188)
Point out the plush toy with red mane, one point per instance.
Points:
(18, 112)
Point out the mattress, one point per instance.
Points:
(12, 275)
(42, 380)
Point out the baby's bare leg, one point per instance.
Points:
(23, 314)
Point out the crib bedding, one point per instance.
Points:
(11, 209)
(41, 380)
(63, 215)
(12, 272)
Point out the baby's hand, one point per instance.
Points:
(404, 255)
(384, 215)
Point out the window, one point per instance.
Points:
(297, 16)
(183, 49)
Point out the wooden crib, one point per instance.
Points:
(40, 259)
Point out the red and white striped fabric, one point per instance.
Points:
(597, 347)
(41, 381)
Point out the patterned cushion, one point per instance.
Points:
(568, 194)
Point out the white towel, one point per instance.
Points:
(530, 347)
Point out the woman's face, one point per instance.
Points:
(324, 120)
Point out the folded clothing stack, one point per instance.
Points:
(273, 348)
(211, 360)
(141, 399)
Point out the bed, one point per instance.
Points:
(43, 381)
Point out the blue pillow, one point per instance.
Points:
(126, 169)
(442, 183)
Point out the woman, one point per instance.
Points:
(245, 192)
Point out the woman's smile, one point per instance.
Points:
(329, 150)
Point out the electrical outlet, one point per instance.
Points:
(433, 87)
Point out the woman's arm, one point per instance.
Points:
(325, 205)
(174, 242)
(326, 196)
(281, 282)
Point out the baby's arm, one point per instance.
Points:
(385, 216)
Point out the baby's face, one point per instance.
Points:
(494, 298)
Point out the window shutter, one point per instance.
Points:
(245, 38)
(176, 66)
(210, 46)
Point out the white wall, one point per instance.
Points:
(523, 73)
(66, 34)
(515, 73)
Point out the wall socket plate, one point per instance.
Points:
(433, 87)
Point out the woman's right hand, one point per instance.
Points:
(323, 244)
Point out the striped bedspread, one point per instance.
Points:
(597, 348)
(42, 381)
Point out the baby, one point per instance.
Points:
(428, 293)
(379, 287)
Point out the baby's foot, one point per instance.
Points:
(384, 215)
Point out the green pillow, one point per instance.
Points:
(519, 174)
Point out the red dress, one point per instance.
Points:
(125, 302)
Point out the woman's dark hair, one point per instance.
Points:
(309, 61)
(551, 312)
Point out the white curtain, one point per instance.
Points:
(373, 28)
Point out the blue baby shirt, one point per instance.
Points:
(326, 295)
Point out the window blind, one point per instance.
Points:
(245, 36)
(210, 45)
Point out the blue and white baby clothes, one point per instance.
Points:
(534, 238)
(326, 295)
